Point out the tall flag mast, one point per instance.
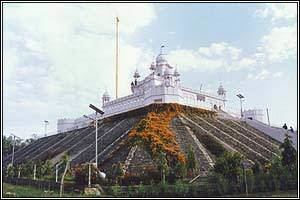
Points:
(117, 55)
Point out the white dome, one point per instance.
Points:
(105, 94)
(176, 74)
(160, 59)
(152, 67)
(167, 72)
(136, 74)
(221, 90)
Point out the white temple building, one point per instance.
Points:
(257, 114)
(162, 85)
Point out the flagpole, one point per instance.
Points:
(117, 55)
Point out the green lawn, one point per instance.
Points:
(278, 194)
(28, 191)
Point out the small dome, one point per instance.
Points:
(160, 59)
(221, 90)
(136, 74)
(167, 72)
(176, 74)
(152, 67)
(105, 94)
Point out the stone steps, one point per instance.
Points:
(240, 136)
(263, 140)
(229, 140)
(185, 138)
(104, 141)
(71, 137)
(38, 148)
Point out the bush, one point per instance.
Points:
(150, 177)
(250, 180)
(221, 184)
(191, 160)
(289, 154)
(81, 174)
(182, 189)
(116, 190)
(229, 165)
(275, 176)
(10, 171)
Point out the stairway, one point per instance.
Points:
(104, 140)
(237, 144)
(185, 137)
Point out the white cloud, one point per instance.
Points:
(278, 11)
(277, 74)
(215, 56)
(62, 55)
(264, 74)
(280, 44)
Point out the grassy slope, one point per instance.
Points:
(28, 191)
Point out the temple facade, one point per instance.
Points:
(162, 85)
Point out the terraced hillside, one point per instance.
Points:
(135, 137)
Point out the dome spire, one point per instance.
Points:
(136, 74)
(221, 90)
(152, 67)
(161, 49)
(176, 73)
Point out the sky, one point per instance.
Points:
(60, 57)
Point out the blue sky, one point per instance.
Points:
(59, 58)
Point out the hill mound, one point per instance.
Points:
(137, 138)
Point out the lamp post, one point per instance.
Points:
(241, 97)
(56, 173)
(89, 184)
(46, 124)
(97, 110)
(13, 150)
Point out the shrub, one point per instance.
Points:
(289, 154)
(191, 160)
(180, 170)
(221, 184)
(154, 135)
(118, 172)
(229, 165)
(116, 190)
(250, 180)
(10, 170)
(81, 174)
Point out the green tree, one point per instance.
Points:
(180, 170)
(256, 168)
(289, 154)
(27, 169)
(162, 165)
(191, 160)
(66, 163)
(10, 170)
(7, 143)
(230, 166)
(39, 166)
(118, 172)
(47, 168)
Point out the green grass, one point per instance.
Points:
(28, 191)
(287, 194)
